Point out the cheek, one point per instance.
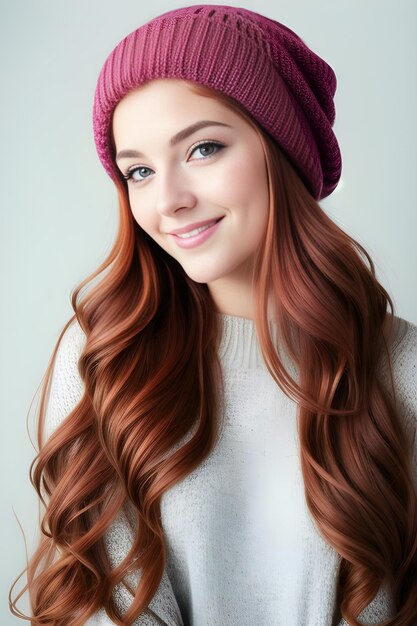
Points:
(251, 194)
(242, 182)
(140, 214)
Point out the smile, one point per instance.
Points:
(197, 236)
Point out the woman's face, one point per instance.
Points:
(175, 184)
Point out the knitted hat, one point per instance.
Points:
(257, 61)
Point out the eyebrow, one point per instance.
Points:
(183, 134)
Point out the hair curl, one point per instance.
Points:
(151, 374)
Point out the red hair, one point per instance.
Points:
(151, 373)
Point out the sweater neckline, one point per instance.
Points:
(239, 345)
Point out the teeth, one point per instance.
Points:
(191, 233)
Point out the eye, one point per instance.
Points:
(129, 173)
(199, 146)
(204, 144)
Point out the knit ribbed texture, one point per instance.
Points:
(257, 61)
(242, 546)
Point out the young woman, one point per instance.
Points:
(227, 423)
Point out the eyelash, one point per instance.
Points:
(128, 174)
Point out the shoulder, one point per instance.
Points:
(403, 352)
(66, 386)
(404, 337)
(70, 347)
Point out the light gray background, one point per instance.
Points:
(58, 206)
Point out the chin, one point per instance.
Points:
(201, 277)
(198, 278)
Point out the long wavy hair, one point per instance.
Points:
(151, 375)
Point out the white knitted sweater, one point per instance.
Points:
(242, 546)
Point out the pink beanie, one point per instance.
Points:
(257, 61)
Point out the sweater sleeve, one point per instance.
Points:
(66, 390)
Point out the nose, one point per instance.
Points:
(174, 192)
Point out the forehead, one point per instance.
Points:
(166, 98)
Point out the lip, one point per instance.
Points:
(200, 238)
(186, 229)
